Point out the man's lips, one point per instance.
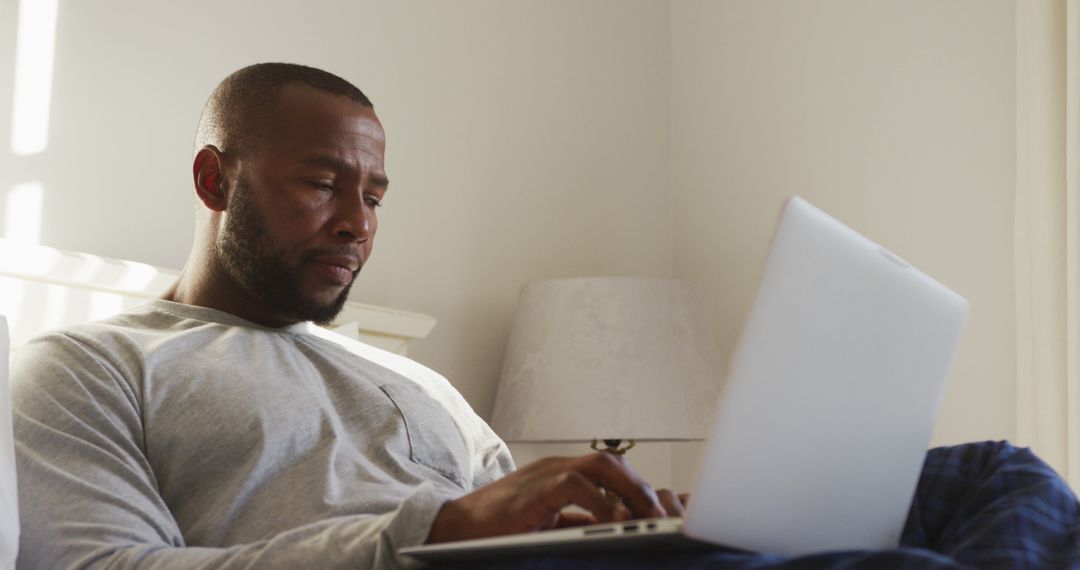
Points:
(347, 261)
(337, 268)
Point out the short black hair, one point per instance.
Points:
(244, 99)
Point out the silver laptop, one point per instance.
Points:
(828, 408)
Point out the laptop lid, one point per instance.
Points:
(831, 396)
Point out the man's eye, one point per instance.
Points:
(373, 202)
(321, 184)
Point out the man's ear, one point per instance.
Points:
(207, 172)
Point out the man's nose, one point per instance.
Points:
(353, 221)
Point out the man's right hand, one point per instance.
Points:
(532, 498)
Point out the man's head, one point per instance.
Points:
(288, 170)
(244, 102)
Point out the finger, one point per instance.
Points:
(571, 487)
(551, 523)
(570, 518)
(612, 472)
(671, 503)
(684, 498)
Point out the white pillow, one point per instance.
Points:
(9, 495)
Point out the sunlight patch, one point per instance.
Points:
(23, 220)
(33, 76)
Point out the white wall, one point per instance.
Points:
(896, 116)
(533, 140)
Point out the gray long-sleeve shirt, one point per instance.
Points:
(176, 436)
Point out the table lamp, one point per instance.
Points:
(609, 359)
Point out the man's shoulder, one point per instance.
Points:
(103, 332)
(75, 362)
(117, 346)
(120, 352)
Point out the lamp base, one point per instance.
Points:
(614, 446)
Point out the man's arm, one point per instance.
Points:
(89, 498)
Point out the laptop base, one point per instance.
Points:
(630, 535)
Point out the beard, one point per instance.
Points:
(248, 254)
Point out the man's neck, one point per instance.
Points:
(209, 287)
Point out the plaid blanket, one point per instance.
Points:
(982, 505)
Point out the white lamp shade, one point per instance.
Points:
(606, 358)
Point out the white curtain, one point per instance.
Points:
(1047, 253)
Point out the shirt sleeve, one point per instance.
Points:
(492, 457)
(88, 497)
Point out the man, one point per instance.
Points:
(218, 428)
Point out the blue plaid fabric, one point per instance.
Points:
(992, 505)
(983, 505)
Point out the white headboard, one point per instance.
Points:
(42, 288)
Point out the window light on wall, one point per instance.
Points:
(34, 57)
(33, 76)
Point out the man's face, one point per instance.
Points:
(301, 217)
